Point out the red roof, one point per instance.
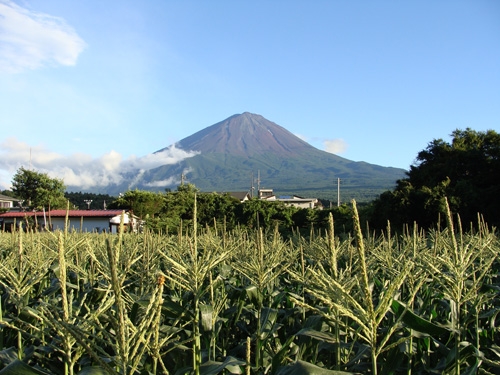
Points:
(62, 213)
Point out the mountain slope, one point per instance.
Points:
(233, 152)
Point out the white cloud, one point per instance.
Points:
(335, 146)
(82, 170)
(174, 180)
(301, 136)
(30, 40)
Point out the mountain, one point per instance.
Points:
(233, 153)
(245, 135)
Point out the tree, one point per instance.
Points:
(464, 171)
(38, 190)
(266, 214)
(141, 202)
(98, 201)
(221, 208)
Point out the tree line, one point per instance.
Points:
(464, 171)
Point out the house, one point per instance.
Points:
(242, 196)
(291, 200)
(300, 202)
(9, 202)
(78, 220)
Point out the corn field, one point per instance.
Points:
(211, 301)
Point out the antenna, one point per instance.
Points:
(88, 201)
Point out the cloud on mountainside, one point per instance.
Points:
(82, 170)
(335, 146)
(30, 40)
(174, 180)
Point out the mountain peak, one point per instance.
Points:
(244, 134)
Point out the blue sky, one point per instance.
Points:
(89, 89)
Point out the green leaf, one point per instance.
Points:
(321, 336)
(20, 368)
(93, 370)
(254, 295)
(306, 368)
(267, 322)
(8, 355)
(280, 356)
(206, 312)
(415, 322)
(465, 351)
(173, 310)
(230, 364)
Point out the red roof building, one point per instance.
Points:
(79, 220)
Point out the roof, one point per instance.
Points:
(239, 194)
(7, 198)
(62, 213)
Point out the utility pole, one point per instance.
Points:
(252, 188)
(258, 180)
(338, 192)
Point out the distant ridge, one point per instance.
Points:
(232, 152)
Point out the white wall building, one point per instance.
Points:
(78, 220)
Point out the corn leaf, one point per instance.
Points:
(207, 313)
(231, 364)
(415, 322)
(8, 355)
(268, 322)
(321, 336)
(93, 370)
(20, 368)
(306, 368)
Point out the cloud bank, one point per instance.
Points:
(335, 146)
(30, 40)
(82, 170)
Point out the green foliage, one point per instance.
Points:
(166, 211)
(464, 171)
(172, 210)
(38, 190)
(142, 203)
(265, 214)
(99, 201)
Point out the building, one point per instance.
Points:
(8, 202)
(242, 196)
(78, 220)
(291, 200)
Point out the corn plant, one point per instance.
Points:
(459, 270)
(209, 301)
(352, 296)
(190, 270)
